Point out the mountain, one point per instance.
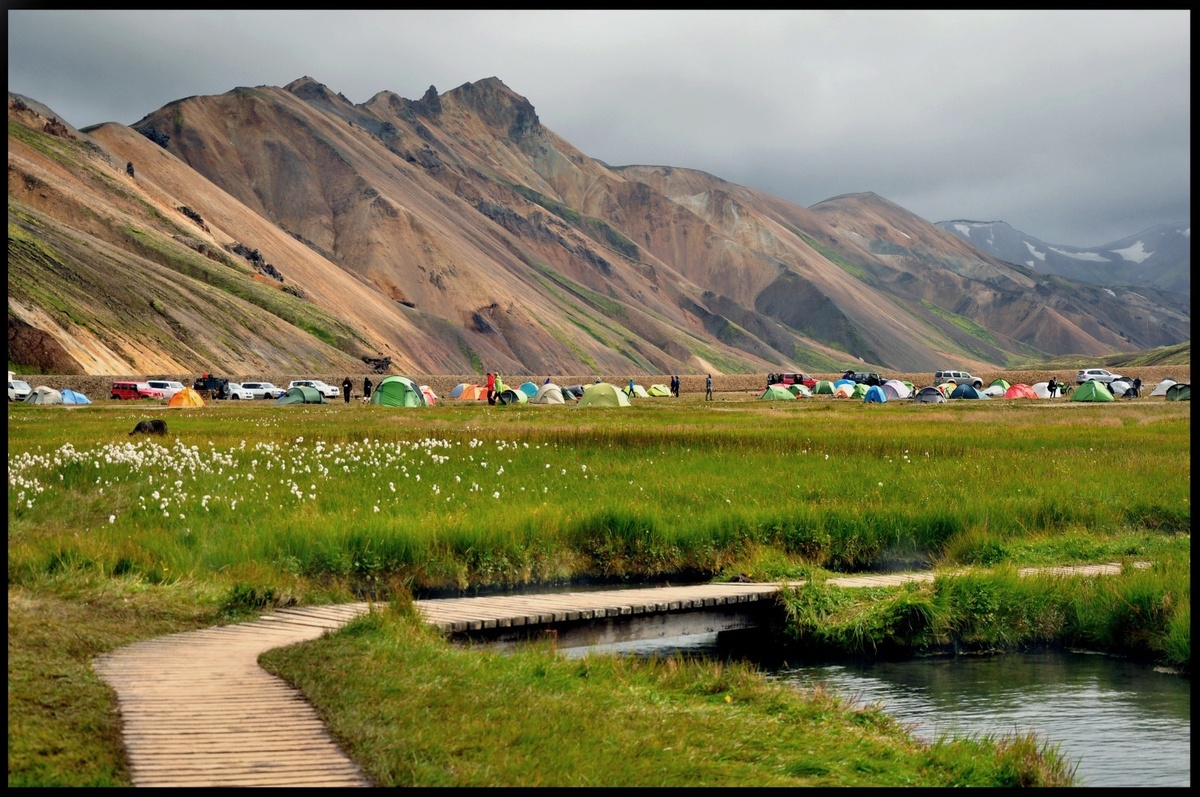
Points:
(273, 229)
(1160, 257)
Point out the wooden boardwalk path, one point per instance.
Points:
(197, 710)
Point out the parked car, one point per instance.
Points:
(264, 390)
(132, 391)
(18, 390)
(864, 377)
(1098, 374)
(168, 388)
(328, 391)
(958, 378)
(210, 387)
(235, 391)
(792, 379)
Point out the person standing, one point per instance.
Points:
(675, 386)
(708, 387)
(491, 388)
(346, 389)
(367, 387)
(1052, 387)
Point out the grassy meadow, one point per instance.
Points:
(244, 506)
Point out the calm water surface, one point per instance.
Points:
(1124, 724)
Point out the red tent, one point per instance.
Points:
(1020, 390)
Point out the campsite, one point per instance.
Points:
(243, 507)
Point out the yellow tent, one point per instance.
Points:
(186, 398)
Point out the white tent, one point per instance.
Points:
(1042, 389)
(548, 393)
(901, 390)
(997, 391)
(1161, 390)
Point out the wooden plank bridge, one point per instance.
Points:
(197, 710)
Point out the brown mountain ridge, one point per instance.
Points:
(287, 229)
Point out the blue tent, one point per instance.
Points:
(841, 382)
(874, 395)
(70, 396)
(967, 392)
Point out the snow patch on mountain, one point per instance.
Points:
(1136, 253)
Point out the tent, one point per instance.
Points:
(603, 394)
(1042, 389)
(929, 395)
(548, 393)
(823, 388)
(777, 393)
(1001, 383)
(44, 395)
(842, 381)
(658, 390)
(398, 391)
(637, 392)
(799, 391)
(573, 391)
(190, 398)
(894, 389)
(1118, 386)
(1163, 386)
(70, 396)
(1091, 391)
(947, 387)
(996, 391)
(843, 389)
(529, 389)
(510, 396)
(859, 390)
(431, 398)
(465, 392)
(1180, 391)
(1019, 391)
(874, 395)
(966, 392)
(300, 394)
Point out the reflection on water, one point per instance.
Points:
(1125, 724)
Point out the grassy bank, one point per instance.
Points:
(243, 506)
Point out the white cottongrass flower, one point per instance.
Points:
(112, 518)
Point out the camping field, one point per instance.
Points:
(242, 506)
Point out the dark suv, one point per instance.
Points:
(864, 377)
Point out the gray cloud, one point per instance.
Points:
(1073, 127)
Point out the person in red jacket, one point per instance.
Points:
(491, 388)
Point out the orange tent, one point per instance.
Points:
(186, 398)
(470, 393)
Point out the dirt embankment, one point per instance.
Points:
(97, 387)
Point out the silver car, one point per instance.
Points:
(1097, 374)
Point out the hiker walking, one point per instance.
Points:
(491, 388)
(708, 387)
(367, 387)
(346, 386)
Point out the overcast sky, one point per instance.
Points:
(1072, 126)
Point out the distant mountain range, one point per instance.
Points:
(1160, 257)
(288, 230)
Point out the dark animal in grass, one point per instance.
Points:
(155, 426)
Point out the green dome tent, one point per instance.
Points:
(1091, 391)
(823, 388)
(658, 390)
(1180, 391)
(300, 394)
(510, 396)
(777, 393)
(398, 391)
(603, 394)
(799, 391)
